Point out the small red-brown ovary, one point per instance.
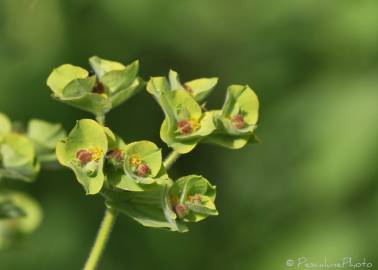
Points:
(238, 121)
(84, 156)
(142, 170)
(184, 127)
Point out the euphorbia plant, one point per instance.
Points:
(21, 154)
(132, 177)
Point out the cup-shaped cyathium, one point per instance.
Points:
(237, 121)
(141, 168)
(185, 122)
(111, 84)
(84, 152)
(192, 198)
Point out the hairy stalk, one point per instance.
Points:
(101, 239)
(171, 158)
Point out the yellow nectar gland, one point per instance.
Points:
(97, 153)
(195, 124)
(135, 160)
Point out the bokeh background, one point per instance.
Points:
(310, 189)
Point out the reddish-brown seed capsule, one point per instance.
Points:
(181, 210)
(238, 121)
(84, 156)
(142, 170)
(184, 127)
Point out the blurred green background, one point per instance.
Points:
(310, 189)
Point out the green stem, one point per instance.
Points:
(101, 239)
(171, 158)
(101, 119)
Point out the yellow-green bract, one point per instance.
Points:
(87, 136)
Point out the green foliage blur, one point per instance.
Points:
(309, 190)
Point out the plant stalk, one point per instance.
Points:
(101, 239)
(171, 159)
(101, 119)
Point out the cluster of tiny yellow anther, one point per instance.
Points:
(194, 124)
(195, 199)
(97, 153)
(135, 160)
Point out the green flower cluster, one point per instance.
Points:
(21, 155)
(133, 179)
(131, 176)
(22, 152)
(188, 123)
